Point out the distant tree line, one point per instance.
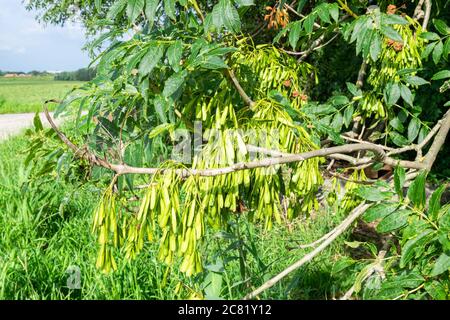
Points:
(33, 73)
(84, 74)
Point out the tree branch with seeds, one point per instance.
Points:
(282, 158)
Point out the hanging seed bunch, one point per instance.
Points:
(350, 199)
(168, 208)
(106, 225)
(177, 210)
(264, 68)
(299, 181)
(217, 112)
(395, 56)
(372, 104)
(276, 17)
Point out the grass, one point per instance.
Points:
(45, 231)
(21, 95)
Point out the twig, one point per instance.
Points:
(364, 182)
(409, 292)
(358, 211)
(258, 30)
(239, 89)
(361, 75)
(318, 241)
(438, 142)
(418, 12)
(316, 45)
(361, 167)
(426, 17)
(376, 267)
(316, 25)
(367, 142)
(346, 8)
(330, 165)
(421, 145)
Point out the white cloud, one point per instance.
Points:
(10, 49)
(27, 44)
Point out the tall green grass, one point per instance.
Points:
(45, 230)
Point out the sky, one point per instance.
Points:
(27, 45)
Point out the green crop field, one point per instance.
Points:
(20, 95)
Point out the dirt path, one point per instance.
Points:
(12, 124)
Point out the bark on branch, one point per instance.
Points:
(121, 169)
(355, 214)
(427, 15)
(239, 89)
(277, 158)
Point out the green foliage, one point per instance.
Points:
(180, 63)
(420, 267)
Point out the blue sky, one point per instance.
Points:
(26, 45)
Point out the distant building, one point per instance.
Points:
(17, 75)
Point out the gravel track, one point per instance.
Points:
(13, 124)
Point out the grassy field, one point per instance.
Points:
(20, 95)
(45, 233)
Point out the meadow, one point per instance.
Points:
(22, 95)
(45, 235)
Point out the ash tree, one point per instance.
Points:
(207, 110)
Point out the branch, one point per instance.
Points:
(418, 12)
(438, 142)
(346, 8)
(320, 240)
(79, 152)
(376, 267)
(316, 45)
(336, 156)
(289, 7)
(418, 147)
(361, 74)
(357, 212)
(239, 89)
(121, 169)
(344, 157)
(426, 18)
